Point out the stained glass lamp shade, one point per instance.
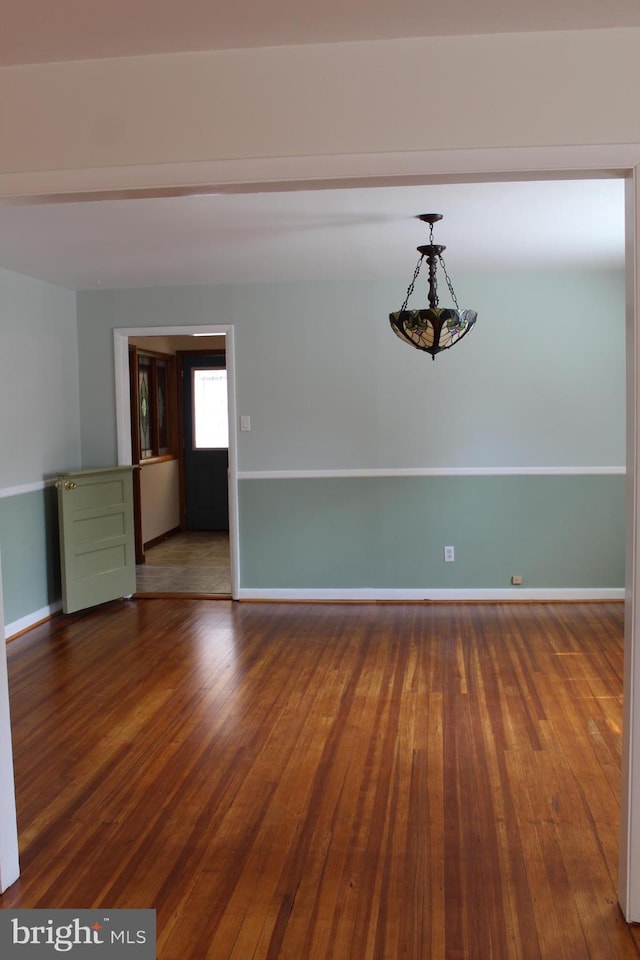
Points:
(435, 328)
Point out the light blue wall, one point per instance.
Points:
(39, 427)
(538, 383)
(39, 434)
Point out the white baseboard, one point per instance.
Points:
(452, 595)
(11, 629)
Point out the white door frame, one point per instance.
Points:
(9, 860)
(629, 849)
(123, 413)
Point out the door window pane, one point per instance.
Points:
(156, 405)
(162, 381)
(210, 415)
(144, 379)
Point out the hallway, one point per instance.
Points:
(194, 563)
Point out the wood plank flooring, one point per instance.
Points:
(328, 782)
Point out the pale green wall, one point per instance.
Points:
(30, 553)
(39, 433)
(38, 380)
(389, 532)
(538, 383)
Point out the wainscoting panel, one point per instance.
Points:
(387, 534)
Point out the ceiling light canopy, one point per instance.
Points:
(435, 328)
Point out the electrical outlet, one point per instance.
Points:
(449, 554)
(517, 580)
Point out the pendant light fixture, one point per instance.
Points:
(435, 328)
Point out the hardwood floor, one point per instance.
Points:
(328, 782)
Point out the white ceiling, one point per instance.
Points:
(298, 234)
(315, 234)
(39, 31)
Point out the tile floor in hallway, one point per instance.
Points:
(190, 562)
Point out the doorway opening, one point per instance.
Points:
(177, 395)
(629, 871)
(180, 442)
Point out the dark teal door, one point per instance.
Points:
(206, 441)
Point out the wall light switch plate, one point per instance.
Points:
(245, 423)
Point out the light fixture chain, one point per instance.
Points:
(413, 283)
(448, 279)
(434, 329)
